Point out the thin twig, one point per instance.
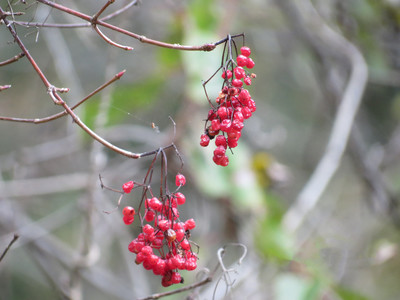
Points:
(64, 113)
(12, 59)
(15, 237)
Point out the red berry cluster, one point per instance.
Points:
(163, 246)
(234, 104)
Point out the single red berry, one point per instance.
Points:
(147, 250)
(191, 264)
(244, 96)
(247, 80)
(219, 151)
(180, 198)
(237, 125)
(148, 229)
(232, 143)
(252, 105)
(241, 60)
(190, 224)
(237, 83)
(128, 211)
(226, 125)
(180, 180)
(128, 219)
(221, 141)
(128, 186)
(222, 112)
(239, 72)
(176, 278)
(180, 234)
(163, 225)
(227, 74)
(204, 140)
(215, 124)
(246, 112)
(246, 51)
(154, 203)
(224, 161)
(250, 63)
(234, 135)
(149, 216)
(238, 116)
(185, 244)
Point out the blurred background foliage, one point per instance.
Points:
(348, 247)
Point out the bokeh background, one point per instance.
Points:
(311, 57)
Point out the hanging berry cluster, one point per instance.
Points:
(233, 105)
(163, 245)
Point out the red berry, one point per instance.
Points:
(128, 219)
(149, 216)
(147, 250)
(204, 140)
(163, 225)
(237, 83)
(185, 244)
(247, 80)
(241, 60)
(222, 112)
(180, 233)
(190, 224)
(180, 198)
(239, 72)
(176, 278)
(128, 211)
(219, 151)
(227, 74)
(232, 143)
(226, 125)
(128, 186)
(180, 180)
(215, 125)
(211, 115)
(238, 116)
(246, 112)
(250, 63)
(148, 229)
(154, 203)
(244, 96)
(221, 141)
(245, 51)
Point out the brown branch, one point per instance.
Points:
(12, 59)
(16, 236)
(64, 113)
(141, 38)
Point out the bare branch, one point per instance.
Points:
(12, 59)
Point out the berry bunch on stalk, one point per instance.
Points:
(163, 245)
(233, 105)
